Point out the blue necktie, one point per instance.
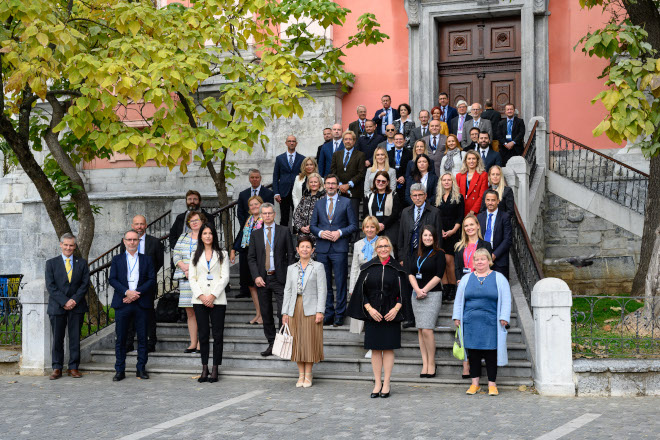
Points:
(398, 157)
(291, 161)
(509, 126)
(346, 157)
(489, 229)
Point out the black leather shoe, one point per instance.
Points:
(190, 350)
(214, 374)
(328, 321)
(384, 395)
(268, 351)
(408, 324)
(432, 375)
(119, 376)
(204, 377)
(376, 395)
(151, 349)
(130, 348)
(141, 374)
(338, 323)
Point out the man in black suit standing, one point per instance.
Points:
(422, 131)
(399, 158)
(386, 115)
(367, 144)
(287, 167)
(152, 247)
(512, 134)
(67, 282)
(497, 227)
(348, 166)
(269, 255)
(133, 277)
(359, 127)
(493, 116)
(448, 112)
(327, 137)
(255, 189)
(488, 155)
(193, 203)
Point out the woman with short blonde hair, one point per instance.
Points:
(300, 188)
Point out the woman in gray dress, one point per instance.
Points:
(425, 275)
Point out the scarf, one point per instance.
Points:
(250, 225)
(368, 248)
(449, 163)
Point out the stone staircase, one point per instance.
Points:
(344, 352)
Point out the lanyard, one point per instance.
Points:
(469, 256)
(380, 202)
(190, 246)
(208, 263)
(419, 265)
(270, 242)
(128, 263)
(302, 272)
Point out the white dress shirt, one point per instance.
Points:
(133, 270)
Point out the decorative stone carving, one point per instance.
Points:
(413, 12)
(540, 7)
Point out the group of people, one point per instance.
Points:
(436, 222)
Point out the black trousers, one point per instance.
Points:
(59, 324)
(151, 331)
(475, 357)
(355, 204)
(286, 206)
(216, 317)
(124, 315)
(273, 289)
(408, 313)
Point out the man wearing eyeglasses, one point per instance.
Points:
(386, 115)
(388, 142)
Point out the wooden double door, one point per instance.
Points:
(479, 60)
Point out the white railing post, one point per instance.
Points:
(542, 144)
(519, 166)
(551, 305)
(35, 332)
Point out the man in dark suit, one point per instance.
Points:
(512, 134)
(133, 277)
(367, 144)
(327, 136)
(493, 116)
(422, 131)
(496, 225)
(287, 168)
(456, 124)
(419, 214)
(436, 143)
(348, 166)
(193, 203)
(255, 189)
(270, 253)
(329, 148)
(152, 247)
(477, 121)
(474, 140)
(448, 112)
(386, 115)
(488, 155)
(333, 222)
(388, 142)
(359, 127)
(67, 282)
(399, 158)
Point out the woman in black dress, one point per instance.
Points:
(382, 204)
(496, 182)
(451, 206)
(377, 300)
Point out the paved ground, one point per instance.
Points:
(178, 407)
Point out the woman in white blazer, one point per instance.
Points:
(209, 275)
(303, 308)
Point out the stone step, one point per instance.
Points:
(503, 382)
(329, 332)
(348, 364)
(330, 347)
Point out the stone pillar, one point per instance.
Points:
(551, 305)
(519, 166)
(542, 144)
(36, 356)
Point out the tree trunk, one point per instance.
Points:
(645, 13)
(652, 291)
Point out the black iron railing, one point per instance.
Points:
(529, 153)
(599, 172)
(527, 266)
(615, 326)
(10, 309)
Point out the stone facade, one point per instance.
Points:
(617, 377)
(571, 231)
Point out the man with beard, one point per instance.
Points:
(193, 203)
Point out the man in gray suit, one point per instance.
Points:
(436, 145)
(422, 131)
(477, 121)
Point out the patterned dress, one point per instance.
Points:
(183, 251)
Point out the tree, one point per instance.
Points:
(630, 43)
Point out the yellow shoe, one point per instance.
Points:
(492, 391)
(474, 389)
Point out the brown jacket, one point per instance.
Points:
(354, 172)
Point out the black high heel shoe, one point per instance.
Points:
(428, 376)
(377, 394)
(214, 375)
(385, 395)
(204, 377)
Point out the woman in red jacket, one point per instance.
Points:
(473, 181)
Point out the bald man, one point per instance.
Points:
(151, 247)
(329, 148)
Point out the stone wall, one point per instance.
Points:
(571, 231)
(617, 377)
(537, 235)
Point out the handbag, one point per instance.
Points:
(167, 308)
(283, 345)
(458, 350)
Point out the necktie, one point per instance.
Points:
(475, 123)
(346, 157)
(509, 126)
(489, 229)
(443, 118)
(331, 209)
(361, 126)
(398, 157)
(423, 131)
(268, 250)
(68, 268)
(254, 192)
(415, 238)
(459, 132)
(291, 161)
(336, 145)
(483, 155)
(435, 143)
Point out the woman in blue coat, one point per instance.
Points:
(482, 310)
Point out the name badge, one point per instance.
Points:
(271, 253)
(466, 270)
(418, 276)
(380, 213)
(397, 167)
(209, 276)
(508, 137)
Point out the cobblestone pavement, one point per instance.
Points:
(96, 408)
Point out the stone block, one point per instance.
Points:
(570, 251)
(627, 385)
(620, 243)
(594, 224)
(652, 385)
(590, 238)
(589, 384)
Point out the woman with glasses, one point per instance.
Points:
(181, 255)
(380, 163)
(404, 124)
(376, 300)
(422, 174)
(363, 251)
(384, 205)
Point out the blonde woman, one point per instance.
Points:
(363, 250)
(419, 148)
(380, 163)
(307, 167)
(452, 161)
(472, 181)
(496, 182)
(451, 205)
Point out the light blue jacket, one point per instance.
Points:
(503, 312)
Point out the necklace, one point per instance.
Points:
(481, 282)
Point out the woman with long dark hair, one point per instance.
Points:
(209, 276)
(421, 173)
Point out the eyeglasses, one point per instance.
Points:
(132, 239)
(381, 181)
(194, 221)
(389, 129)
(383, 246)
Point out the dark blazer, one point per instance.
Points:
(453, 125)
(354, 172)
(325, 160)
(517, 136)
(119, 281)
(494, 117)
(60, 290)
(282, 247)
(501, 239)
(430, 216)
(355, 128)
(458, 258)
(368, 145)
(152, 248)
(415, 135)
(492, 158)
(406, 158)
(284, 175)
(431, 187)
(411, 166)
(344, 220)
(242, 212)
(378, 120)
(451, 113)
(177, 228)
(506, 204)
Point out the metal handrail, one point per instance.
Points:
(531, 139)
(537, 265)
(522, 253)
